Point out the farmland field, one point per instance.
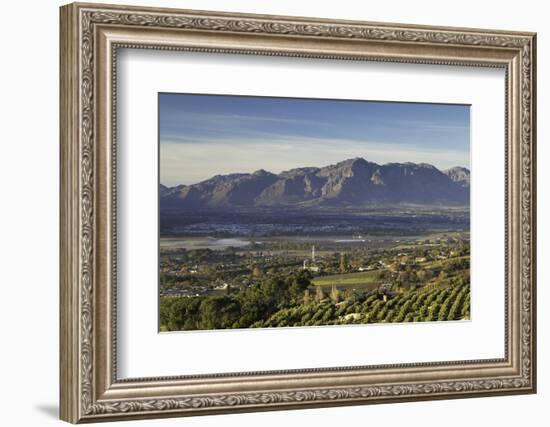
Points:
(364, 279)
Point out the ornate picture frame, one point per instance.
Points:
(90, 37)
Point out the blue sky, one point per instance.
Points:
(205, 135)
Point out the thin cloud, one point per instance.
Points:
(206, 135)
(196, 161)
(177, 118)
(432, 125)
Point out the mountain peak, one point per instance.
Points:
(457, 168)
(426, 166)
(459, 175)
(262, 172)
(355, 161)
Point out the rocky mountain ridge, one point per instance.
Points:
(350, 183)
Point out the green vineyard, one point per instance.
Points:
(295, 302)
(436, 304)
(427, 281)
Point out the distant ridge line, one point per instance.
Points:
(349, 183)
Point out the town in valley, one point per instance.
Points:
(409, 265)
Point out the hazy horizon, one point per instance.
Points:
(299, 167)
(206, 135)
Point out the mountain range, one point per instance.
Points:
(350, 183)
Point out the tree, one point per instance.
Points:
(319, 294)
(421, 275)
(403, 278)
(383, 275)
(209, 313)
(343, 263)
(307, 297)
(348, 295)
(257, 271)
(253, 307)
(299, 284)
(335, 294)
(180, 313)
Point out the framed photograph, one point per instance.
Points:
(266, 212)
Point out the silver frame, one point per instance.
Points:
(90, 37)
